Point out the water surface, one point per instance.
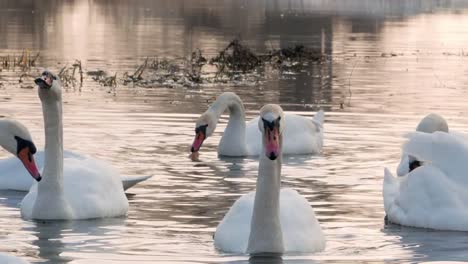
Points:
(391, 63)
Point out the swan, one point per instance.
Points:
(7, 259)
(86, 194)
(432, 195)
(16, 139)
(14, 177)
(302, 135)
(270, 219)
(429, 124)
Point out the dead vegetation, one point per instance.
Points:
(72, 76)
(235, 64)
(24, 61)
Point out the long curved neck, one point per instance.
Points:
(233, 139)
(4, 136)
(53, 166)
(265, 229)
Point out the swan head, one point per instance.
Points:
(429, 124)
(204, 128)
(49, 87)
(432, 123)
(271, 125)
(16, 139)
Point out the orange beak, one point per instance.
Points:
(272, 146)
(28, 161)
(198, 141)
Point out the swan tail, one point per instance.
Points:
(130, 181)
(319, 118)
(390, 190)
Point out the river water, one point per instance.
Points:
(390, 63)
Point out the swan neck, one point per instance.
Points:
(265, 230)
(53, 164)
(233, 140)
(231, 102)
(4, 137)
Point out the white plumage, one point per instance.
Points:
(240, 138)
(7, 259)
(13, 176)
(300, 228)
(270, 219)
(433, 195)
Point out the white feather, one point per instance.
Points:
(433, 195)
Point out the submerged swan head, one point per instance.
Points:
(271, 125)
(15, 138)
(204, 128)
(49, 87)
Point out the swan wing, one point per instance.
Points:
(300, 227)
(302, 135)
(13, 175)
(7, 259)
(426, 198)
(130, 181)
(232, 233)
(447, 152)
(92, 189)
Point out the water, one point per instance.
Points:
(392, 62)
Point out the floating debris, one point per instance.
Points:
(235, 58)
(68, 75)
(236, 64)
(24, 61)
(103, 78)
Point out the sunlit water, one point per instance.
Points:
(392, 62)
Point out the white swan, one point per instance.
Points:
(15, 138)
(270, 220)
(429, 124)
(85, 194)
(7, 259)
(302, 135)
(14, 177)
(432, 195)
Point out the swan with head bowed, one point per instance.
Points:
(429, 124)
(302, 135)
(431, 189)
(89, 191)
(270, 220)
(15, 138)
(14, 177)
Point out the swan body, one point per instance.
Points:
(91, 194)
(87, 193)
(7, 259)
(301, 231)
(14, 177)
(432, 195)
(270, 219)
(301, 135)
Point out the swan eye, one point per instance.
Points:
(49, 74)
(23, 143)
(201, 129)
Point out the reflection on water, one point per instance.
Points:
(391, 62)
